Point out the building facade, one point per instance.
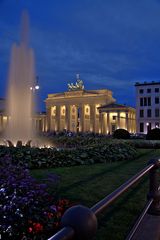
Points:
(80, 110)
(76, 111)
(147, 106)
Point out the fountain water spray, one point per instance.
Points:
(20, 102)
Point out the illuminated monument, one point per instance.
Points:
(19, 97)
(80, 110)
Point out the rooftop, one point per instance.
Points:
(147, 83)
(114, 105)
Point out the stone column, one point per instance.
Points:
(48, 118)
(100, 122)
(58, 118)
(46, 126)
(127, 121)
(132, 122)
(103, 123)
(92, 118)
(104, 130)
(40, 124)
(108, 123)
(118, 120)
(81, 113)
(67, 119)
(37, 127)
(1, 123)
(43, 125)
(80, 118)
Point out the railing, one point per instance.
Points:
(80, 222)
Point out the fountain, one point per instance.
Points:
(19, 96)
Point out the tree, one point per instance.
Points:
(153, 134)
(121, 134)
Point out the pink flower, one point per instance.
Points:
(30, 229)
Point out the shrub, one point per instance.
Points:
(27, 210)
(153, 134)
(52, 157)
(75, 140)
(147, 144)
(121, 134)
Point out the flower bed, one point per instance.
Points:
(27, 210)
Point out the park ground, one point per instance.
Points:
(88, 184)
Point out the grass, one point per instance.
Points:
(88, 184)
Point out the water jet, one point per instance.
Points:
(20, 99)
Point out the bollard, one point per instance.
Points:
(154, 192)
(82, 220)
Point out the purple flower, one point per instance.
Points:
(24, 202)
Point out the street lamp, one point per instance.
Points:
(33, 90)
(35, 86)
(147, 125)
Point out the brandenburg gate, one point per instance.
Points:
(78, 110)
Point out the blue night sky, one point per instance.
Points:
(111, 43)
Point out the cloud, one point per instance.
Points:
(111, 43)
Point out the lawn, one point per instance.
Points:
(88, 184)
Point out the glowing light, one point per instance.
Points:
(53, 111)
(37, 87)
